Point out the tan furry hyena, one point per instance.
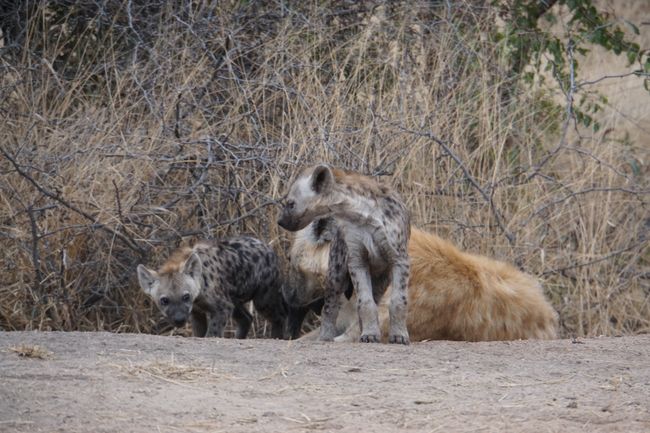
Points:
(213, 280)
(452, 295)
(369, 250)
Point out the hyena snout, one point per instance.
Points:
(290, 297)
(298, 296)
(179, 320)
(292, 218)
(286, 220)
(177, 316)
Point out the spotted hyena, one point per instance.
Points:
(452, 295)
(213, 280)
(368, 251)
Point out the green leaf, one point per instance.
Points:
(631, 56)
(634, 28)
(636, 170)
(550, 18)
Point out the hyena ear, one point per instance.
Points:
(147, 278)
(321, 179)
(193, 267)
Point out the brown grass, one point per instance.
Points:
(160, 125)
(31, 351)
(173, 372)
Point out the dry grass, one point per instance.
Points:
(31, 351)
(160, 125)
(173, 372)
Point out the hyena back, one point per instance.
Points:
(212, 281)
(369, 250)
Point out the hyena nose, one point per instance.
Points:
(179, 320)
(282, 222)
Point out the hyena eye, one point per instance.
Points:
(186, 297)
(164, 300)
(291, 204)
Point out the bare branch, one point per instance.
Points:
(70, 206)
(487, 197)
(611, 255)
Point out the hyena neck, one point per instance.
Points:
(357, 212)
(205, 248)
(322, 230)
(353, 208)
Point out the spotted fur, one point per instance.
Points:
(369, 248)
(213, 280)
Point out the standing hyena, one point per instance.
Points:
(370, 246)
(213, 280)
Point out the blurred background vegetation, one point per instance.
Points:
(516, 128)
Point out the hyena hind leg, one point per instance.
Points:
(271, 305)
(243, 319)
(295, 317)
(397, 308)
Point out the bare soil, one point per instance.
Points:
(103, 382)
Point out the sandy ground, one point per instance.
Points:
(101, 382)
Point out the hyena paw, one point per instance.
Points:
(369, 338)
(399, 339)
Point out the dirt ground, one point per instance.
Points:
(101, 382)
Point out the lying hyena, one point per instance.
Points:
(213, 280)
(369, 250)
(452, 295)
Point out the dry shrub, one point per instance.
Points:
(131, 128)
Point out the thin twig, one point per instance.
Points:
(487, 197)
(38, 276)
(70, 206)
(569, 93)
(598, 260)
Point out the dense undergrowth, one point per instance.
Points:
(129, 128)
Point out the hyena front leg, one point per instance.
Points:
(336, 284)
(398, 333)
(366, 307)
(199, 324)
(218, 317)
(243, 319)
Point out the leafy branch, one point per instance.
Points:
(527, 43)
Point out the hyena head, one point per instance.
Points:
(308, 198)
(173, 292)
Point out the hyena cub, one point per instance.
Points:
(369, 249)
(213, 280)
